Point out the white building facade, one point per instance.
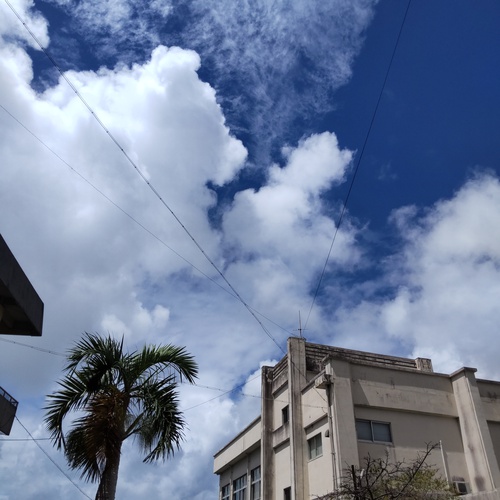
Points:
(325, 409)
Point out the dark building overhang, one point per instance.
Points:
(21, 309)
(8, 407)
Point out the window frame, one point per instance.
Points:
(287, 493)
(372, 433)
(285, 415)
(225, 492)
(239, 491)
(318, 450)
(255, 483)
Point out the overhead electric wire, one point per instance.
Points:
(50, 458)
(152, 188)
(3, 440)
(344, 206)
(93, 186)
(131, 217)
(41, 349)
(143, 177)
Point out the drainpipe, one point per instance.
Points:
(444, 462)
(329, 395)
(325, 381)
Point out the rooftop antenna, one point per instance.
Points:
(300, 327)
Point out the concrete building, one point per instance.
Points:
(325, 409)
(21, 313)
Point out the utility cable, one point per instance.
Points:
(148, 183)
(41, 349)
(143, 177)
(50, 458)
(93, 186)
(3, 440)
(356, 169)
(106, 197)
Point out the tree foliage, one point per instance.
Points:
(381, 479)
(116, 395)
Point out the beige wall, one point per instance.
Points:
(242, 444)
(319, 469)
(421, 408)
(241, 468)
(411, 432)
(411, 391)
(281, 399)
(283, 477)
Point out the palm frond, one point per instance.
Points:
(154, 360)
(160, 429)
(119, 394)
(73, 396)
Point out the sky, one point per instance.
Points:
(253, 124)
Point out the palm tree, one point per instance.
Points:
(118, 395)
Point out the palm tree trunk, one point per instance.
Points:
(109, 478)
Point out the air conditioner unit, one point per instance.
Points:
(461, 487)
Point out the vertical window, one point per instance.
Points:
(225, 492)
(368, 430)
(255, 484)
(315, 446)
(284, 415)
(287, 493)
(239, 488)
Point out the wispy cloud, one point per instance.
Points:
(273, 68)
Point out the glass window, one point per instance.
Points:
(284, 415)
(255, 484)
(364, 430)
(225, 492)
(287, 493)
(239, 488)
(315, 446)
(382, 432)
(368, 430)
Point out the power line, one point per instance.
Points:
(224, 391)
(93, 186)
(41, 349)
(50, 458)
(2, 440)
(143, 177)
(148, 183)
(344, 206)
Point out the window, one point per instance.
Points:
(225, 492)
(239, 488)
(284, 415)
(287, 493)
(255, 484)
(315, 446)
(369, 430)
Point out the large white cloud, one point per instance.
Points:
(281, 233)
(449, 303)
(97, 270)
(270, 58)
(447, 285)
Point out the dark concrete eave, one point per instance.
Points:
(21, 309)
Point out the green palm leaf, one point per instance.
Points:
(118, 395)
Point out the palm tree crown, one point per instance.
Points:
(118, 395)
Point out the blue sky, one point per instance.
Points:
(249, 118)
